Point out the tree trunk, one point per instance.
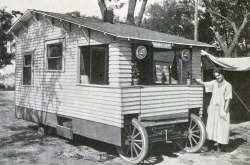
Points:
(102, 6)
(142, 10)
(131, 11)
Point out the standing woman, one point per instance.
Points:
(218, 120)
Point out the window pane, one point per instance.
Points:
(98, 70)
(55, 50)
(55, 63)
(27, 76)
(163, 61)
(55, 57)
(85, 61)
(27, 59)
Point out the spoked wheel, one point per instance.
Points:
(194, 135)
(134, 142)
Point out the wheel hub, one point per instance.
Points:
(129, 141)
(190, 132)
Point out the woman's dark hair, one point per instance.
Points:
(218, 70)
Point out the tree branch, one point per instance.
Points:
(142, 10)
(237, 34)
(232, 23)
(102, 7)
(220, 40)
(131, 11)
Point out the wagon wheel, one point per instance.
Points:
(134, 142)
(195, 135)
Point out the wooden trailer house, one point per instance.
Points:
(94, 78)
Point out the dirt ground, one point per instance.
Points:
(20, 144)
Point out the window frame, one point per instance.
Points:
(170, 80)
(54, 42)
(31, 53)
(93, 47)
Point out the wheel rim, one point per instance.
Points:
(194, 136)
(134, 142)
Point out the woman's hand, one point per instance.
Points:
(223, 114)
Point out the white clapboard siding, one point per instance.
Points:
(195, 97)
(196, 63)
(59, 92)
(62, 106)
(120, 70)
(161, 100)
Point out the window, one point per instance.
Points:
(27, 69)
(54, 56)
(94, 65)
(164, 66)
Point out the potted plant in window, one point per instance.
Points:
(135, 74)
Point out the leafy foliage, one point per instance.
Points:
(222, 23)
(229, 21)
(5, 24)
(173, 17)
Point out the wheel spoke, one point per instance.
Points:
(123, 134)
(126, 130)
(133, 132)
(193, 127)
(124, 146)
(135, 150)
(186, 144)
(131, 149)
(190, 124)
(194, 140)
(127, 151)
(196, 131)
(196, 136)
(140, 141)
(138, 146)
(191, 143)
(136, 135)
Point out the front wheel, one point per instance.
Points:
(135, 142)
(195, 135)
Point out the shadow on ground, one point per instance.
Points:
(22, 135)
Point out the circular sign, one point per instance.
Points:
(185, 55)
(141, 52)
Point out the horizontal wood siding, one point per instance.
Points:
(58, 91)
(120, 70)
(196, 63)
(154, 103)
(150, 101)
(195, 97)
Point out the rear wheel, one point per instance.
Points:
(45, 130)
(194, 135)
(134, 142)
(41, 131)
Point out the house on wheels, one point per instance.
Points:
(113, 82)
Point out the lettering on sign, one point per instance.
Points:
(162, 45)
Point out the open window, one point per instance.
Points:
(27, 69)
(161, 66)
(165, 67)
(94, 65)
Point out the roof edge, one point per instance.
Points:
(199, 44)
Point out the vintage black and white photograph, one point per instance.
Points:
(123, 82)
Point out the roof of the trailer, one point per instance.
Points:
(117, 29)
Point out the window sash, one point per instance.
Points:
(54, 63)
(55, 56)
(27, 69)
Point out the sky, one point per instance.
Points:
(87, 7)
